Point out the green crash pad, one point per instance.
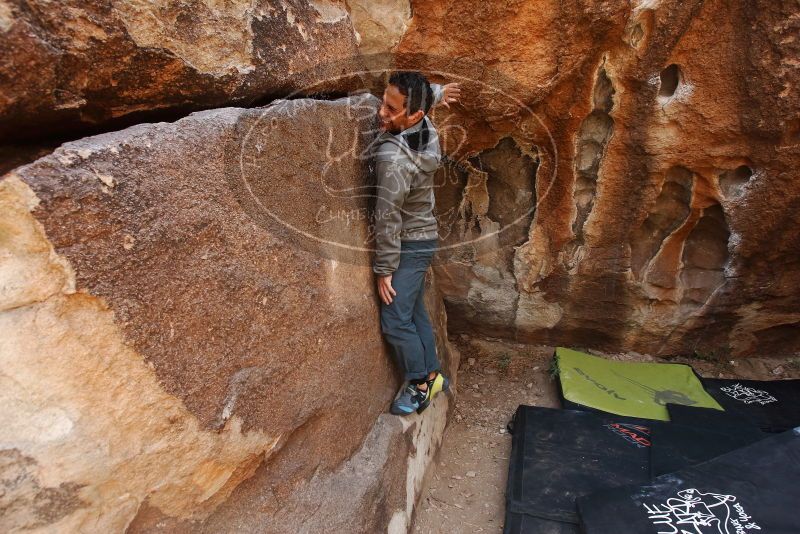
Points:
(625, 388)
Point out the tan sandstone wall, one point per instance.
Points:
(170, 363)
(623, 175)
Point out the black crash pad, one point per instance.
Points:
(696, 435)
(558, 455)
(750, 490)
(773, 405)
(527, 524)
(710, 419)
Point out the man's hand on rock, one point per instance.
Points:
(452, 94)
(385, 289)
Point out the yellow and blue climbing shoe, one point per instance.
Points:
(409, 400)
(436, 385)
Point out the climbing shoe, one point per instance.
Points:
(436, 385)
(409, 400)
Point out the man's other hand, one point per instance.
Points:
(385, 289)
(452, 94)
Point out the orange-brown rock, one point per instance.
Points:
(649, 151)
(170, 361)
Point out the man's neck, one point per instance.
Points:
(415, 125)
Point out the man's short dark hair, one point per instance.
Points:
(416, 89)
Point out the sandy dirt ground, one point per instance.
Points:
(466, 492)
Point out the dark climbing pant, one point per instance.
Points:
(405, 322)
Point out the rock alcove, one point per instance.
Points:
(619, 177)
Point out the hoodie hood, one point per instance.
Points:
(394, 147)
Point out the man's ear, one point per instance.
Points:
(416, 116)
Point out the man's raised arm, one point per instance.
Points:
(445, 94)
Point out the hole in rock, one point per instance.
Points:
(670, 79)
(512, 195)
(668, 213)
(511, 185)
(641, 28)
(636, 35)
(732, 182)
(510, 188)
(705, 254)
(603, 96)
(593, 135)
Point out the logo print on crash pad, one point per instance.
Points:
(662, 396)
(748, 395)
(635, 434)
(694, 512)
(598, 384)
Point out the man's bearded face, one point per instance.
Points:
(392, 113)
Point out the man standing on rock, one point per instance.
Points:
(406, 232)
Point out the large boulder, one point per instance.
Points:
(76, 65)
(174, 359)
(621, 175)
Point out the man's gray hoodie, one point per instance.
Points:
(405, 200)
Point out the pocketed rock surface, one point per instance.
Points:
(622, 175)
